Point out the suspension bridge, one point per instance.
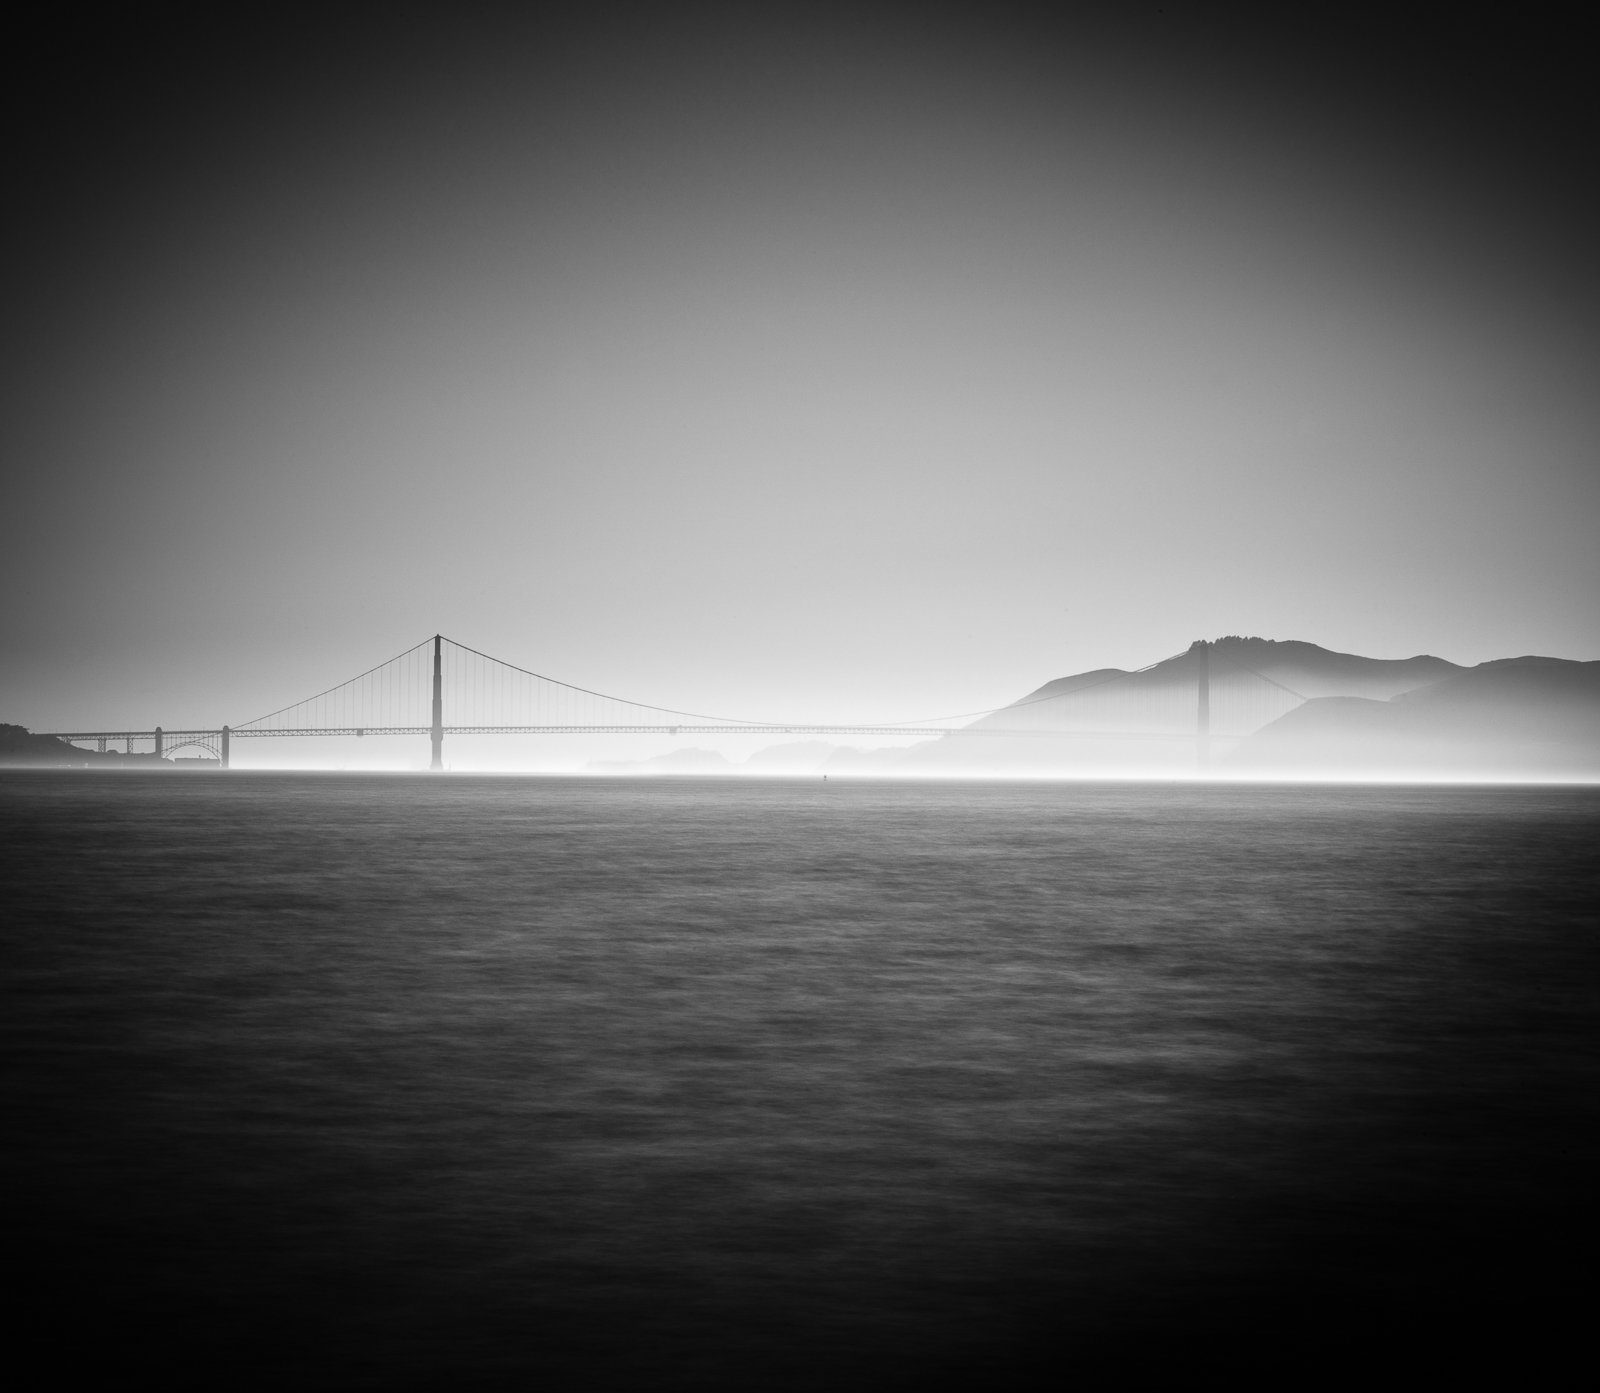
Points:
(1199, 695)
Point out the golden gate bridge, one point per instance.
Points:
(1200, 695)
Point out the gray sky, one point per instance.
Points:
(787, 361)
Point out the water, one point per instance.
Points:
(392, 1082)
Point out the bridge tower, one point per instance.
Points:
(438, 706)
(1202, 730)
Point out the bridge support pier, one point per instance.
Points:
(222, 748)
(160, 743)
(438, 706)
(1203, 714)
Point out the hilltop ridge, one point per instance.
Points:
(1318, 712)
(1307, 667)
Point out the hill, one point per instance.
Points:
(1533, 716)
(1310, 670)
(1112, 721)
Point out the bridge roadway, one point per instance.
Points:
(170, 736)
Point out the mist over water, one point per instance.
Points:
(365, 1081)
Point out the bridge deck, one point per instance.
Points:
(239, 734)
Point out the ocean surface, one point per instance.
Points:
(360, 1081)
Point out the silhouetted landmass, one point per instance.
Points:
(1314, 671)
(19, 746)
(1283, 707)
(1101, 715)
(1306, 668)
(1532, 715)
